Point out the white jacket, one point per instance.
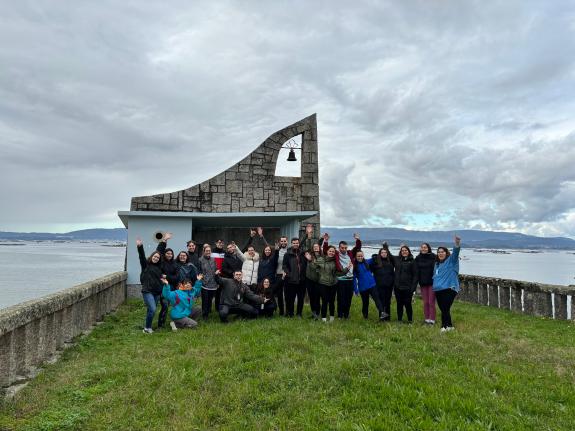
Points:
(250, 268)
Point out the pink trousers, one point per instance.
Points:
(428, 297)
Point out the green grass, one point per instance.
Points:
(498, 371)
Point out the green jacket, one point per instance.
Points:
(311, 272)
(327, 271)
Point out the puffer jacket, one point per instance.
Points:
(362, 277)
(208, 268)
(406, 274)
(425, 263)
(383, 271)
(151, 275)
(250, 268)
(327, 270)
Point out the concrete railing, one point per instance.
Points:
(545, 300)
(32, 332)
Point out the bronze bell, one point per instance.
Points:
(291, 156)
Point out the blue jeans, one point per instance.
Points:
(151, 302)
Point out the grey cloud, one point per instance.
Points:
(445, 110)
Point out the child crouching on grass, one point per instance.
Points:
(183, 312)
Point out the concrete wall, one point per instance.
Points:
(536, 299)
(32, 332)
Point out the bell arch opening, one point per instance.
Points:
(289, 160)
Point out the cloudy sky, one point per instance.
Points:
(431, 114)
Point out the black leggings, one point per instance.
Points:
(385, 293)
(327, 299)
(291, 291)
(365, 301)
(445, 300)
(403, 299)
(313, 295)
(279, 293)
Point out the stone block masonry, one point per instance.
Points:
(31, 333)
(251, 185)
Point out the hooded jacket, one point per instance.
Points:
(232, 262)
(181, 301)
(250, 268)
(151, 275)
(383, 271)
(406, 274)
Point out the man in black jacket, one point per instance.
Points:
(233, 297)
(294, 265)
(233, 261)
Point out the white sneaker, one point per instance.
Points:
(427, 321)
(443, 330)
(431, 322)
(173, 326)
(323, 319)
(148, 331)
(450, 328)
(331, 318)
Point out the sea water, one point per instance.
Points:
(34, 269)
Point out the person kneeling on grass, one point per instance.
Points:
(234, 298)
(183, 312)
(446, 282)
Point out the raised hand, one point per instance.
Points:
(252, 232)
(277, 247)
(309, 230)
(307, 256)
(167, 236)
(139, 241)
(326, 236)
(218, 272)
(201, 276)
(355, 235)
(457, 241)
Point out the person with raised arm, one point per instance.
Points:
(406, 277)
(183, 313)
(169, 265)
(308, 239)
(382, 266)
(151, 281)
(364, 284)
(233, 260)
(425, 262)
(256, 239)
(294, 267)
(327, 280)
(344, 258)
(312, 279)
(446, 282)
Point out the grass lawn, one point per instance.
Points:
(498, 370)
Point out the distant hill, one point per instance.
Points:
(374, 236)
(119, 234)
(470, 238)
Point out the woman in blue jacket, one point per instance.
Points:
(364, 284)
(183, 311)
(446, 282)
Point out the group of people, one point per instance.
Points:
(259, 279)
